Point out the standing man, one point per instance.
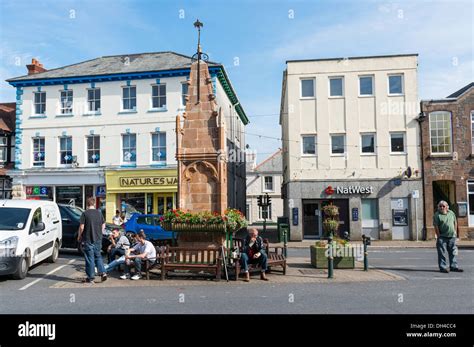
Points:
(92, 224)
(445, 225)
(253, 252)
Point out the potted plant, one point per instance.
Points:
(341, 249)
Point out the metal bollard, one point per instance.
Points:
(366, 242)
(330, 258)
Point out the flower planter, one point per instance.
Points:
(187, 227)
(197, 234)
(320, 261)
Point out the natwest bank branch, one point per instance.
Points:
(149, 191)
(382, 209)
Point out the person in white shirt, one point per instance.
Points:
(117, 220)
(143, 250)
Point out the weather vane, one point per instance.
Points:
(199, 55)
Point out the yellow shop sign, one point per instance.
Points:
(147, 181)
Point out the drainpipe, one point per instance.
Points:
(420, 120)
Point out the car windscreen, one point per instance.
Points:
(13, 218)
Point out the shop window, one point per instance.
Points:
(70, 195)
(369, 209)
(132, 203)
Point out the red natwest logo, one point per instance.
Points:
(329, 190)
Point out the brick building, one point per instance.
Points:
(447, 131)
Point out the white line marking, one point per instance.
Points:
(49, 273)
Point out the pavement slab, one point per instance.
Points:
(299, 270)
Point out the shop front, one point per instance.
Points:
(381, 209)
(71, 187)
(149, 191)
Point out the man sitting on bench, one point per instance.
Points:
(142, 250)
(253, 253)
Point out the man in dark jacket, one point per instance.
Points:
(92, 224)
(253, 253)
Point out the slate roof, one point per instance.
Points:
(117, 64)
(461, 91)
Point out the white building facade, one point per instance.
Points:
(350, 138)
(262, 179)
(105, 128)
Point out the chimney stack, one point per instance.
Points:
(35, 67)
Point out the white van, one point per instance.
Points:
(30, 232)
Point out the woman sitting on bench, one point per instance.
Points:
(253, 253)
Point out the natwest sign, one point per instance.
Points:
(349, 190)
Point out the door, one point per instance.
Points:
(52, 222)
(38, 239)
(400, 218)
(163, 202)
(311, 220)
(470, 199)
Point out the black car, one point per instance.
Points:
(71, 216)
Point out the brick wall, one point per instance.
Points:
(450, 168)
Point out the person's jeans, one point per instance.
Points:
(262, 261)
(449, 244)
(93, 258)
(138, 266)
(114, 252)
(113, 264)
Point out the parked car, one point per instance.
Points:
(150, 225)
(70, 217)
(30, 232)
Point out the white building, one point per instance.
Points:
(350, 134)
(265, 178)
(105, 128)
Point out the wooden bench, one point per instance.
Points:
(187, 258)
(160, 247)
(275, 257)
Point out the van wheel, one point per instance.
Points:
(54, 256)
(22, 269)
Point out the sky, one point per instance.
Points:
(252, 39)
